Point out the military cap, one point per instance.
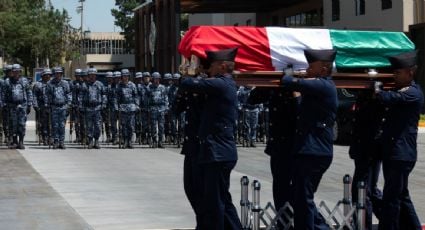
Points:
(16, 67)
(320, 55)
(205, 63)
(176, 76)
(221, 55)
(404, 60)
(7, 68)
(77, 72)
(146, 74)
(168, 76)
(46, 71)
(117, 74)
(92, 71)
(156, 75)
(125, 72)
(109, 74)
(84, 73)
(138, 75)
(58, 69)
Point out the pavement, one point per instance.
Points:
(139, 188)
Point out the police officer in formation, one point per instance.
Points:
(397, 141)
(217, 155)
(127, 105)
(106, 112)
(7, 70)
(313, 141)
(138, 81)
(250, 115)
(175, 121)
(144, 106)
(93, 100)
(75, 116)
(158, 106)
(41, 106)
(58, 98)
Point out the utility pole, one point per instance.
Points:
(80, 10)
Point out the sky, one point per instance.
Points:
(97, 14)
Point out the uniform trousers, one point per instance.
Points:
(217, 210)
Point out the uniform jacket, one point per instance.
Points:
(39, 94)
(158, 98)
(218, 117)
(400, 122)
(127, 98)
(92, 96)
(17, 93)
(316, 116)
(366, 124)
(58, 94)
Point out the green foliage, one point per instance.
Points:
(32, 31)
(422, 118)
(124, 18)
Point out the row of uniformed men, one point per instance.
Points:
(85, 98)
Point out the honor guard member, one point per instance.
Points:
(191, 105)
(313, 141)
(218, 154)
(138, 81)
(127, 104)
(18, 99)
(59, 99)
(93, 98)
(158, 105)
(365, 152)
(39, 104)
(144, 105)
(106, 113)
(75, 113)
(398, 142)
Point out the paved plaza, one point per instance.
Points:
(139, 188)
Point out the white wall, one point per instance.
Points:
(398, 18)
(222, 19)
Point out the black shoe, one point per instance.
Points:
(62, 146)
(253, 144)
(96, 144)
(55, 145)
(160, 145)
(90, 145)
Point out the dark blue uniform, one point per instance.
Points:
(313, 145)
(399, 151)
(192, 105)
(283, 107)
(366, 153)
(218, 153)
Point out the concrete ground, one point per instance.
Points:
(134, 189)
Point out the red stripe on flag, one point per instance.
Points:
(253, 52)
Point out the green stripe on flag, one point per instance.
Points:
(367, 49)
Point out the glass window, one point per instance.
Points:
(335, 10)
(387, 4)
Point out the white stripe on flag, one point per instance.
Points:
(287, 45)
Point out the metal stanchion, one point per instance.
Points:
(244, 202)
(256, 208)
(361, 206)
(347, 194)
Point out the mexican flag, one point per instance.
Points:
(273, 48)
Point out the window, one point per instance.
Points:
(335, 10)
(360, 7)
(387, 4)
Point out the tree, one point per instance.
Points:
(124, 18)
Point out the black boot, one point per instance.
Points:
(253, 144)
(55, 144)
(96, 144)
(62, 145)
(21, 143)
(160, 145)
(13, 143)
(90, 145)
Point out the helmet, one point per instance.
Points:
(77, 72)
(117, 74)
(7, 68)
(92, 71)
(156, 75)
(58, 69)
(84, 73)
(138, 75)
(16, 67)
(168, 76)
(125, 72)
(176, 76)
(46, 71)
(109, 74)
(146, 74)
